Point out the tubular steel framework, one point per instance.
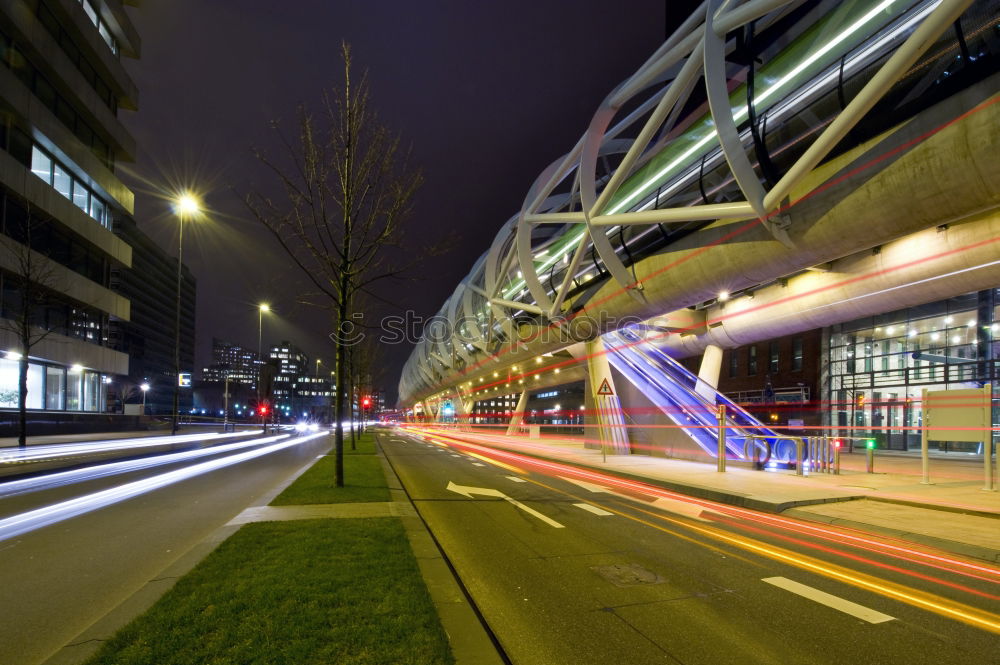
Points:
(681, 143)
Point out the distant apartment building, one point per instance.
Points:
(240, 365)
(297, 392)
(62, 85)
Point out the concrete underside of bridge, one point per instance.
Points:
(906, 218)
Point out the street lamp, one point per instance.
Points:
(185, 206)
(318, 363)
(145, 389)
(261, 308)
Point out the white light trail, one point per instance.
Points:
(31, 520)
(36, 453)
(62, 478)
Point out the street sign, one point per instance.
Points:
(605, 388)
(184, 379)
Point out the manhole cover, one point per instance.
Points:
(627, 574)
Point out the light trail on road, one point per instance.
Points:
(36, 453)
(63, 478)
(945, 607)
(31, 520)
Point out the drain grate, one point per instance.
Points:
(628, 574)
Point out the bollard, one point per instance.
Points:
(870, 454)
(836, 457)
(988, 461)
(798, 455)
(721, 450)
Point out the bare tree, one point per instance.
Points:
(346, 191)
(33, 278)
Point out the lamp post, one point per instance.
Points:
(261, 308)
(185, 206)
(145, 389)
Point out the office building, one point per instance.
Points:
(62, 86)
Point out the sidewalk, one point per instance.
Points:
(953, 513)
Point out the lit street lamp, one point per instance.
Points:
(261, 308)
(145, 389)
(185, 206)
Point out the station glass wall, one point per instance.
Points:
(874, 380)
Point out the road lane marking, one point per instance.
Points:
(516, 479)
(824, 598)
(685, 508)
(478, 464)
(488, 491)
(454, 455)
(590, 487)
(592, 509)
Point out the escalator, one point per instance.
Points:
(691, 403)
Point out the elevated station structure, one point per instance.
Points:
(773, 167)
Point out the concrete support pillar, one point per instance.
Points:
(463, 410)
(709, 372)
(607, 406)
(518, 418)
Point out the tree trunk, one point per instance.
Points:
(22, 400)
(338, 399)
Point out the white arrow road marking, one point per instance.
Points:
(824, 598)
(516, 479)
(592, 509)
(692, 510)
(590, 487)
(487, 491)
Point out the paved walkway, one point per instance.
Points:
(322, 511)
(952, 513)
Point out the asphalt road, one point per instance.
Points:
(575, 576)
(58, 580)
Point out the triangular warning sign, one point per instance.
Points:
(605, 388)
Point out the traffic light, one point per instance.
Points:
(263, 410)
(366, 402)
(859, 400)
(870, 444)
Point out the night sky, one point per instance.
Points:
(488, 94)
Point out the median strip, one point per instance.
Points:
(300, 587)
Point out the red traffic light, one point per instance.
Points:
(263, 410)
(366, 402)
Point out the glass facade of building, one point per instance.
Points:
(53, 387)
(877, 367)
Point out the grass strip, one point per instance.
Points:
(363, 478)
(307, 592)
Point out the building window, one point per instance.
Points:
(797, 354)
(773, 358)
(59, 177)
(734, 363)
(752, 360)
